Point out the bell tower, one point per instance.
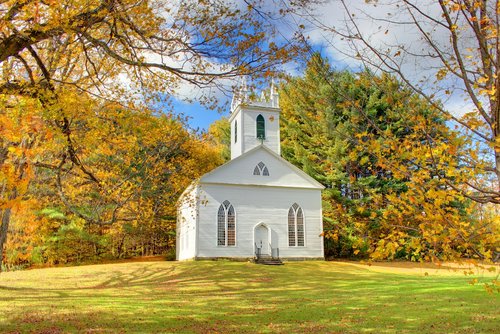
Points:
(254, 121)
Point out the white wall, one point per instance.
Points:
(271, 117)
(236, 148)
(254, 205)
(186, 225)
(240, 171)
(246, 116)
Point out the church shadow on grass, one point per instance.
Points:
(231, 297)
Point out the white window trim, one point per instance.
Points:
(295, 226)
(226, 227)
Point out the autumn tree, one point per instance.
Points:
(143, 161)
(383, 154)
(50, 52)
(219, 133)
(445, 50)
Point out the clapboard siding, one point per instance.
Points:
(271, 118)
(258, 200)
(254, 205)
(186, 224)
(240, 171)
(246, 118)
(237, 147)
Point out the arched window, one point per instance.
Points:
(235, 131)
(226, 225)
(295, 226)
(261, 169)
(261, 127)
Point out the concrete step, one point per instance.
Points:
(269, 261)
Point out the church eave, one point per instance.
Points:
(253, 108)
(301, 173)
(192, 187)
(261, 185)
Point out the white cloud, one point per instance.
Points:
(382, 26)
(387, 25)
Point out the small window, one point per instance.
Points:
(261, 169)
(261, 127)
(226, 225)
(296, 233)
(235, 131)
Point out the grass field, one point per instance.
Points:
(238, 297)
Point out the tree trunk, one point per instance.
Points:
(5, 215)
(497, 169)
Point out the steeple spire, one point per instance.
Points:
(240, 96)
(254, 119)
(275, 103)
(268, 97)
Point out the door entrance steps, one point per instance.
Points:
(268, 260)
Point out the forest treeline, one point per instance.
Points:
(87, 171)
(122, 203)
(90, 170)
(392, 167)
(397, 173)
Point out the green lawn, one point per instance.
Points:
(239, 297)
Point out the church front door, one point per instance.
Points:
(262, 239)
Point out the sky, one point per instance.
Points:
(336, 50)
(199, 117)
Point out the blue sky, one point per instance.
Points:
(199, 117)
(329, 45)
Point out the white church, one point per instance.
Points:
(257, 204)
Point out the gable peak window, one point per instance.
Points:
(261, 127)
(295, 226)
(226, 225)
(261, 169)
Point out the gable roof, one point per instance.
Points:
(239, 171)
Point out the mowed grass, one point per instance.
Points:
(239, 297)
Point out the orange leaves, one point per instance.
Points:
(455, 7)
(483, 80)
(141, 161)
(424, 222)
(496, 144)
(396, 172)
(441, 74)
(491, 92)
(333, 235)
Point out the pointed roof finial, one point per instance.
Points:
(244, 91)
(274, 95)
(234, 101)
(263, 96)
(240, 94)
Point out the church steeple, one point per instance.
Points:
(254, 121)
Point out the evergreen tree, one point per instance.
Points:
(382, 153)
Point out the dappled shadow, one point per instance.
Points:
(141, 276)
(229, 297)
(11, 288)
